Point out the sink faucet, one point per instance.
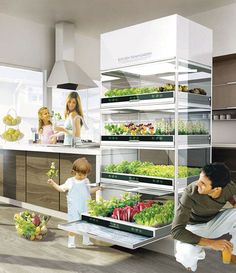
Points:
(76, 141)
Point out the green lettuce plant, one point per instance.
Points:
(149, 169)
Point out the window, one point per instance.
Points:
(21, 92)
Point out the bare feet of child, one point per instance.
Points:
(71, 242)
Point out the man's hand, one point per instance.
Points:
(221, 245)
(216, 244)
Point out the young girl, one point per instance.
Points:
(45, 127)
(78, 194)
(73, 120)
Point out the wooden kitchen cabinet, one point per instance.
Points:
(66, 161)
(224, 96)
(13, 178)
(224, 82)
(38, 191)
(224, 68)
(227, 156)
(23, 176)
(1, 172)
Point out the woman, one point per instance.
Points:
(73, 120)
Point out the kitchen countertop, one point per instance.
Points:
(86, 150)
(224, 145)
(69, 150)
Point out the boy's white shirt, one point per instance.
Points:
(70, 183)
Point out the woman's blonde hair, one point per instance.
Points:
(78, 106)
(82, 166)
(41, 123)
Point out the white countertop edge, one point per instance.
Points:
(224, 145)
(46, 149)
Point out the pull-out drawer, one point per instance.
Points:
(111, 234)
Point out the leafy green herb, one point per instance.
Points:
(162, 127)
(144, 90)
(156, 214)
(53, 172)
(106, 207)
(149, 169)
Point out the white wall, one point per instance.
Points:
(223, 23)
(29, 44)
(221, 20)
(88, 55)
(26, 43)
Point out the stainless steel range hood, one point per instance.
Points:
(66, 73)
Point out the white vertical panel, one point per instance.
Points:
(142, 43)
(154, 40)
(194, 41)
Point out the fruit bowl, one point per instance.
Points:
(31, 226)
(12, 135)
(9, 120)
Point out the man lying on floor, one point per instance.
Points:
(200, 220)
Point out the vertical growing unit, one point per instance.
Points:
(156, 122)
(156, 107)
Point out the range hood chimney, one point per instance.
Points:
(66, 74)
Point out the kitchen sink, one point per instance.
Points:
(56, 145)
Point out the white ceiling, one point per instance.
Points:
(93, 17)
